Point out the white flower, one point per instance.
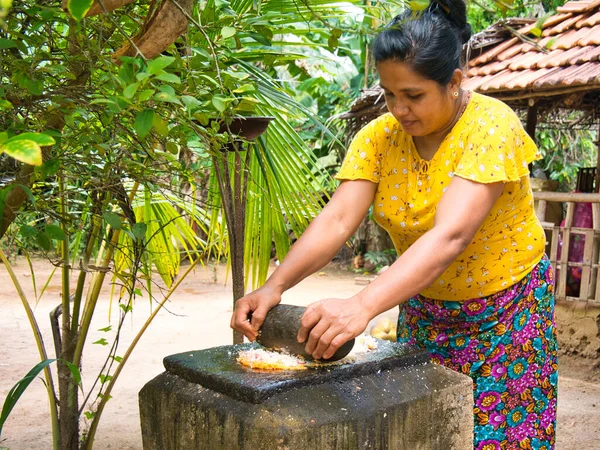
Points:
(403, 224)
(394, 198)
(363, 155)
(491, 131)
(530, 247)
(404, 171)
(482, 167)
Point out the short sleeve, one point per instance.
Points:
(496, 147)
(363, 159)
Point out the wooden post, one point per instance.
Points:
(598, 160)
(531, 118)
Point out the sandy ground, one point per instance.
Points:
(197, 317)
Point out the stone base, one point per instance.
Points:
(411, 408)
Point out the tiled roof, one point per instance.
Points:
(563, 60)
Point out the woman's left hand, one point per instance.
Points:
(330, 323)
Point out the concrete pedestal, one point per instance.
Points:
(393, 400)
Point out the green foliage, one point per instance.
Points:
(565, 150)
(381, 258)
(17, 390)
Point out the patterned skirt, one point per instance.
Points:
(507, 344)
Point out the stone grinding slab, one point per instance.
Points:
(217, 369)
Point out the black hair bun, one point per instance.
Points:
(456, 13)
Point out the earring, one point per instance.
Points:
(455, 94)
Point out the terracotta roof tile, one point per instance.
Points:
(550, 59)
(589, 21)
(578, 6)
(494, 82)
(493, 68)
(474, 83)
(560, 59)
(590, 38)
(525, 60)
(568, 39)
(587, 54)
(527, 77)
(563, 26)
(568, 54)
(492, 53)
(553, 20)
(511, 51)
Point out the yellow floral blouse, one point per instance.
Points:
(488, 144)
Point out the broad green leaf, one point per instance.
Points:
(130, 90)
(106, 329)
(156, 65)
(244, 89)
(55, 232)
(23, 150)
(219, 102)
(332, 42)
(73, 369)
(79, 8)
(139, 230)
(146, 94)
(418, 5)
(7, 43)
(172, 148)
(160, 125)
(101, 342)
(537, 32)
(227, 32)
(6, 4)
(166, 97)
(3, 137)
(168, 77)
(40, 139)
(27, 231)
(5, 104)
(113, 220)
(261, 39)
(17, 390)
(44, 241)
(143, 122)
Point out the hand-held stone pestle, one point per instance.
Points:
(280, 330)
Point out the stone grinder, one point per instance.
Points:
(280, 331)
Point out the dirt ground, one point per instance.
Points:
(197, 317)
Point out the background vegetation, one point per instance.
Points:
(115, 121)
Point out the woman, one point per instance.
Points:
(447, 173)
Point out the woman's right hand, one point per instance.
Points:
(250, 311)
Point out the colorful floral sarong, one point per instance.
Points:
(507, 344)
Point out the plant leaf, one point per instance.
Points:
(23, 150)
(113, 220)
(40, 139)
(158, 64)
(143, 122)
(139, 230)
(79, 8)
(17, 390)
(55, 232)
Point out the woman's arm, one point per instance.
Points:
(314, 249)
(330, 323)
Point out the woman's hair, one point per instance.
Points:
(429, 41)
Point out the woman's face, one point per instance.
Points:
(421, 106)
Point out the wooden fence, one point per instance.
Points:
(589, 286)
